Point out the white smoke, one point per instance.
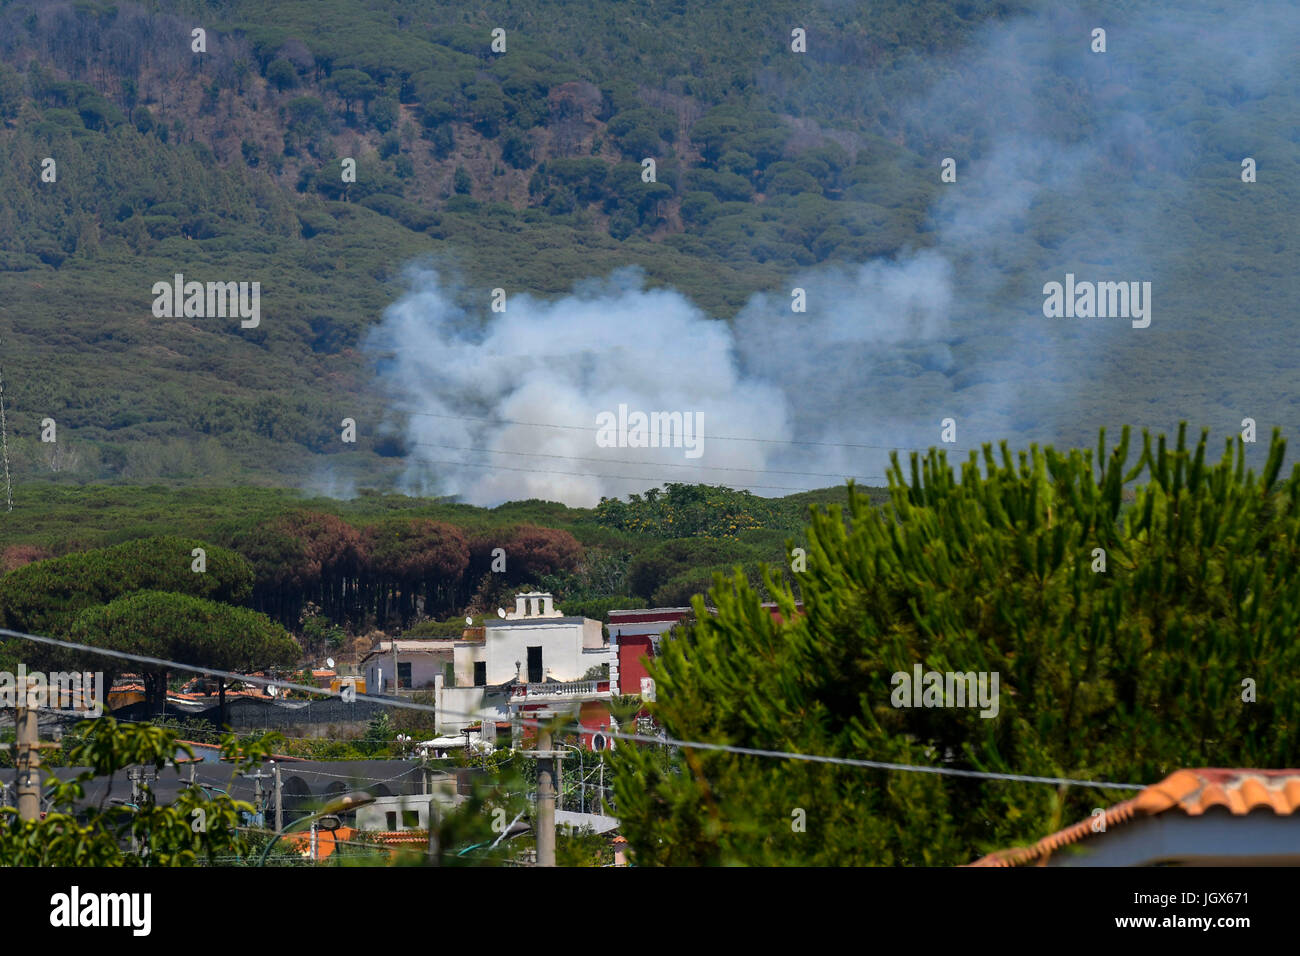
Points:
(888, 349)
(561, 363)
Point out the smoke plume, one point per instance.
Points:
(1098, 164)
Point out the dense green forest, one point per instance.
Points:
(522, 169)
(330, 569)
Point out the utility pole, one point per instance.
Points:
(257, 779)
(396, 683)
(27, 754)
(134, 775)
(435, 822)
(545, 798)
(28, 761)
(279, 798)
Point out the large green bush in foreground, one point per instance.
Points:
(1120, 675)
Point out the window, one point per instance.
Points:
(403, 674)
(480, 673)
(391, 816)
(410, 819)
(534, 665)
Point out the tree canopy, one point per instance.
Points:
(1129, 641)
(46, 597)
(185, 629)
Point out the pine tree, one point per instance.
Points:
(1180, 653)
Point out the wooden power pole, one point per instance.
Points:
(28, 762)
(27, 754)
(435, 832)
(279, 798)
(545, 798)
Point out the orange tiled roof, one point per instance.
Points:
(325, 839)
(182, 695)
(1191, 792)
(396, 837)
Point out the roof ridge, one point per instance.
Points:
(1193, 791)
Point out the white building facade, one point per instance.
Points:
(416, 662)
(531, 656)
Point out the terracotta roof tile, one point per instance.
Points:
(1192, 792)
(395, 837)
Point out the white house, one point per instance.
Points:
(417, 662)
(408, 811)
(531, 656)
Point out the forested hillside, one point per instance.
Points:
(521, 168)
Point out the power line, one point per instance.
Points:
(587, 474)
(592, 428)
(619, 735)
(663, 464)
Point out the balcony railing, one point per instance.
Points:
(561, 689)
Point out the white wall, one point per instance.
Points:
(561, 645)
(453, 703)
(425, 666)
(375, 815)
(569, 650)
(467, 652)
(640, 627)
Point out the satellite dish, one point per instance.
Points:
(329, 662)
(469, 620)
(272, 690)
(501, 612)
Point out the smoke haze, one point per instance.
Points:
(888, 348)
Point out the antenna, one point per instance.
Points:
(4, 444)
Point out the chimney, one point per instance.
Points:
(533, 602)
(519, 605)
(547, 610)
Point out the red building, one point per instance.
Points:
(634, 638)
